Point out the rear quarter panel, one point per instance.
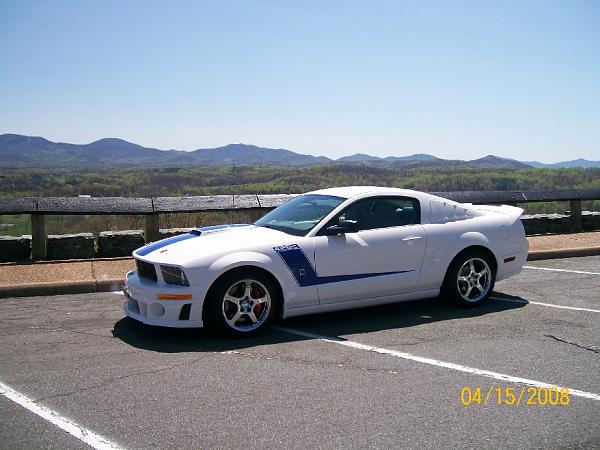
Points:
(496, 232)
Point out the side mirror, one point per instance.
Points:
(343, 227)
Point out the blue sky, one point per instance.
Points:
(461, 79)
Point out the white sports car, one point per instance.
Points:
(326, 250)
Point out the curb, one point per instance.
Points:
(60, 288)
(562, 253)
(63, 261)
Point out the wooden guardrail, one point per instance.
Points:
(151, 208)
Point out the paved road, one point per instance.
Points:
(381, 381)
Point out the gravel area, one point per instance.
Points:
(562, 241)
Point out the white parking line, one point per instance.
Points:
(435, 362)
(544, 304)
(83, 434)
(561, 270)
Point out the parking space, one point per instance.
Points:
(22, 429)
(573, 282)
(586, 264)
(380, 377)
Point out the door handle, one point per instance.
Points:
(412, 238)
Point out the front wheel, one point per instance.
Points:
(470, 278)
(243, 303)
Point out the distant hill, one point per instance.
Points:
(415, 157)
(30, 151)
(424, 160)
(253, 155)
(362, 157)
(495, 162)
(565, 164)
(358, 157)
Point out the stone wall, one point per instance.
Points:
(119, 243)
(13, 248)
(558, 223)
(71, 246)
(108, 244)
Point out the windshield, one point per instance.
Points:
(301, 214)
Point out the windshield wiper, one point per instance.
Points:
(265, 226)
(283, 229)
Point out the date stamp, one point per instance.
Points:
(513, 396)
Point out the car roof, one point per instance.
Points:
(356, 191)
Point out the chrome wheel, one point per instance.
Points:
(474, 279)
(246, 305)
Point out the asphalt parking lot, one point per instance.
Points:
(381, 377)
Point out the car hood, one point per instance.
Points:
(205, 241)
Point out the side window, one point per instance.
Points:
(382, 212)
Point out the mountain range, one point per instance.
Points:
(30, 151)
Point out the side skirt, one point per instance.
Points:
(361, 303)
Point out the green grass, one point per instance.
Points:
(15, 225)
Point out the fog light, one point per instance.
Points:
(157, 310)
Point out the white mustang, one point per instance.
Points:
(326, 250)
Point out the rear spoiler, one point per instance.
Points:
(513, 212)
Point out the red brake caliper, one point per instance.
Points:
(257, 292)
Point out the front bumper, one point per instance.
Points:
(142, 303)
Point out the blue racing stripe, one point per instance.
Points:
(183, 237)
(163, 243)
(304, 273)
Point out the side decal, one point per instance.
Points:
(304, 273)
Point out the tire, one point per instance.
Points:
(470, 278)
(242, 303)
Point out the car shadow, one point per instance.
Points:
(335, 324)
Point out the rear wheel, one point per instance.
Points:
(470, 278)
(242, 303)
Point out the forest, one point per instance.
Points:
(265, 180)
(268, 180)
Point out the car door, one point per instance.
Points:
(382, 258)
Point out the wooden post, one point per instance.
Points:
(576, 219)
(151, 228)
(38, 237)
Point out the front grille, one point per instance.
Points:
(146, 270)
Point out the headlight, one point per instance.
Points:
(174, 275)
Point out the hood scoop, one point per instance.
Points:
(216, 228)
